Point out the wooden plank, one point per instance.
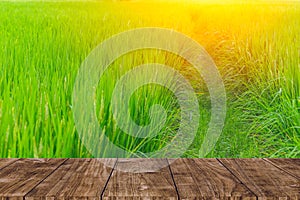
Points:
(206, 179)
(264, 179)
(6, 161)
(146, 185)
(76, 179)
(291, 166)
(21, 177)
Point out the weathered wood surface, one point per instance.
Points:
(291, 166)
(75, 179)
(131, 185)
(207, 178)
(20, 177)
(6, 162)
(51, 179)
(264, 179)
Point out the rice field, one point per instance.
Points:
(255, 46)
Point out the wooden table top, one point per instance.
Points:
(183, 179)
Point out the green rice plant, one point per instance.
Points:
(255, 46)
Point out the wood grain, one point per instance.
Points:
(22, 176)
(52, 179)
(147, 185)
(5, 162)
(76, 179)
(291, 166)
(206, 179)
(264, 179)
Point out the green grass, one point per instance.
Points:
(256, 48)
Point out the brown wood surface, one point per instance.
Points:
(149, 185)
(5, 162)
(206, 179)
(20, 177)
(77, 179)
(291, 166)
(264, 179)
(52, 179)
